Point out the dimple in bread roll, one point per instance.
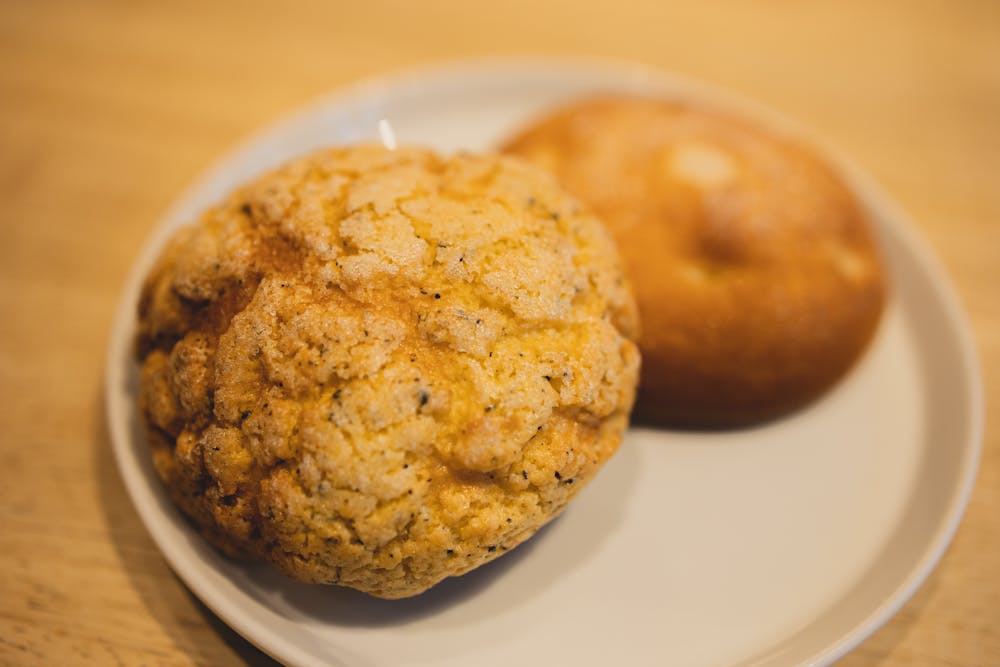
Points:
(758, 280)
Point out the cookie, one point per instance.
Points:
(758, 281)
(382, 368)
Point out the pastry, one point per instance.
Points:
(758, 281)
(381, 368)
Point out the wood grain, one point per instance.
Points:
(107, 109)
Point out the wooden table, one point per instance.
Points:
(107, 109)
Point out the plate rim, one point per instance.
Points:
(657, 81)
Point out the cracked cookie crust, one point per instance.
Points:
(382, 368)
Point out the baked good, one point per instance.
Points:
(757, 277)
(381, 368)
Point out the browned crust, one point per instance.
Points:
(758, 281)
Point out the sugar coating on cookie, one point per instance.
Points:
(382, 368)
(757, 277)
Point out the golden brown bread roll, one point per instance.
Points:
(757, 278)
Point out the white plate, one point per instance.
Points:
(782, 545)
